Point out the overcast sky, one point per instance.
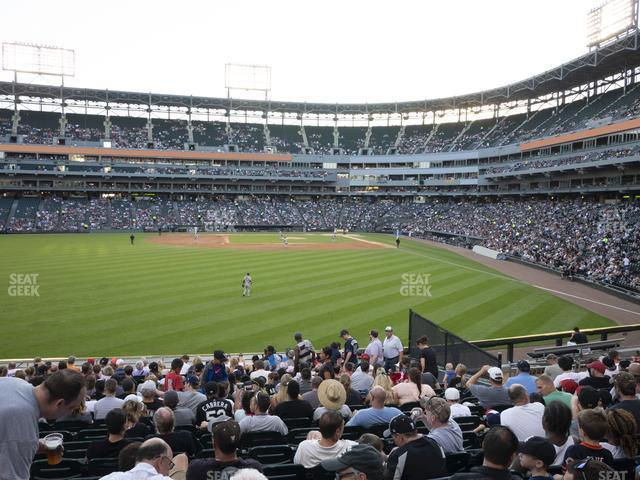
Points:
(319, 51)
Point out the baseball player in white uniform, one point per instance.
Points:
(246, 285)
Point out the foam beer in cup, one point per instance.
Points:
(53, 444)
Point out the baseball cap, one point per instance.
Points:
(597, 365)
(540, 448)
(361, 457)
(400, 424)
(588, 397)
(104, 361)
(210, 387)
(452, 394)
(91, 360)
(216, 420)
(171, 398)
(388, 329)
(148, 386)
(524, 366)
(634, 369)
(133, 396)
(119, 362)
(568, 385)
(495, 374)
(219, 355)
(193, 380)
(365, 356)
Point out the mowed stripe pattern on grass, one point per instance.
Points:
(101, 296)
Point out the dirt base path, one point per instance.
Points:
(212, 240)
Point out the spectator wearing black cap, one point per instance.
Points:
(226, 442)
(191, 397)
(212, 407)
(216, 370)
(587, 398)
(500, 446)
(523, 377)
(596, 379)
(363, 462)
(536, 455)
(416, 456)
(625, 385)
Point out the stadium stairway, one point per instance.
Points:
(12, 211)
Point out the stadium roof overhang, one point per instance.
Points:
(597, 64)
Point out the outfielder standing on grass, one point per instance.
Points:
(246, 285)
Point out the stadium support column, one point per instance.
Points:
(189, 127)
(336, 133)
(15, 121)
(149, 125)
(367, 135)
(63, 117)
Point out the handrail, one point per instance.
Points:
(558, 336)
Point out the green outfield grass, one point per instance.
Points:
(98, 295)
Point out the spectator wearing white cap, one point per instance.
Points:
(452, 396)
(392, 349)
(148, 391)
(493, 395)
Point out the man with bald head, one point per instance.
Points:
(546, 388)
(524, 418)
(375, 415)
(180, 441)
(154, 461)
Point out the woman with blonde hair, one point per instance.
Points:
(281, 395)
(383, 380)
(133, 411)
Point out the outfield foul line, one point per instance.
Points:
(371, 242)
(504, 277)
(586, 299)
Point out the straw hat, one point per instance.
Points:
(332, 394)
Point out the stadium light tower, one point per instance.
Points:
(610, 21)
(31, 58)
(249, 78)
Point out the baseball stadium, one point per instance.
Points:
(150, 228)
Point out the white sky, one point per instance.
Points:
(319, 50)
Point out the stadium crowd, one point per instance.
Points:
(376, 410)
(590, 239)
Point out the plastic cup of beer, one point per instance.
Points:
(53, 444)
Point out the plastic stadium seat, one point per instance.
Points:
(286, 471)
(206, 441)
(318, 473)
(469, 440)
(256, 439)
(297, 435)
(407, 407)
(70, 426)
(91, 434)
(457, 462)
(187, 428)
(477, 410)
(353, 433)
(356, 407)
(467, 423)
(298, 422)
(67, 468)
(205, 453)
(271, 454)
(476, 457)
(77, 454)
(102, 466)
(66, 436)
